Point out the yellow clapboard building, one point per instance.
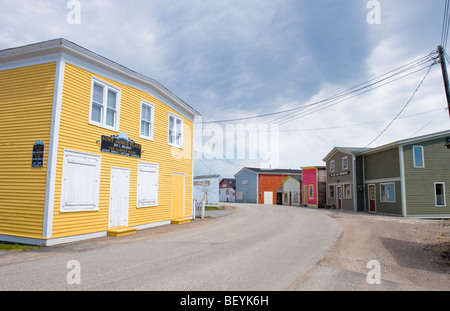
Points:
(88, 148)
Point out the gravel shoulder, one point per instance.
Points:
(414, 254)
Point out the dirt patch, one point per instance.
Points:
(412, 252)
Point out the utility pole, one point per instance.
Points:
(445, 75)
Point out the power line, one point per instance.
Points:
(311, 110)
(357, 88)
(445, 24)
(404, 107)
(362, 91)
(432, 120)
(344, 96)
(359, 124)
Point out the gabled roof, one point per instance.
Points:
(409, 141)
(230, 181)
(346, 150)
(58, 47)
(297, 178)
(271, 171)
(364, 151)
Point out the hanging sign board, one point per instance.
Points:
(339, 174)
(120, 144)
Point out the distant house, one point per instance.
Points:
(262, 186)
(314, 186)
(409, 177)
(227, 191)
(208, 186)
(292, 190)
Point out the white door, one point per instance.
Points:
(118, 197)
(268, 197)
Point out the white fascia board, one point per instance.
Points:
(71, 53)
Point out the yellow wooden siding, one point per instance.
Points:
(77, 134)
(26, 101)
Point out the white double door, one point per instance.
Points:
(119, 197)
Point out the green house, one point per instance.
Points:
(409, 178)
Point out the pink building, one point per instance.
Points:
(314, 186)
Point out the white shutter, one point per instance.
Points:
(147, 185)
(81, 182)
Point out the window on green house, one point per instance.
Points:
(387, 192)
(439, 192)
(418, 157)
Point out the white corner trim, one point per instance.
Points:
(402, 180)
(53, 150)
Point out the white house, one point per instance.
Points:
(208, 186)
(227, 190)
(292, 186)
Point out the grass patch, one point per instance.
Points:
(14, 247)
(213, 208)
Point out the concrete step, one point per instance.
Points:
(121, 231)
(181, 221)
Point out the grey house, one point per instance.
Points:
(410, 177)
(345, 183)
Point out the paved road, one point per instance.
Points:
(256, 248)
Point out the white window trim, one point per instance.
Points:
(346, 166)
(152, 121)
(381, 193)
(63, 207)
(344, 194)
(334, 191)
(443, 193)
(175, 124)
(332, 166)
(145, 164)
(414, 157)
(106, 86)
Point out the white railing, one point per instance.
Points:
(198, 208)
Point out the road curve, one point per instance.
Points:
(256, 248)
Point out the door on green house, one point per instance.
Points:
(372, 196)
(178, 185)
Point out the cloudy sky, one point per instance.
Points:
(285, 59)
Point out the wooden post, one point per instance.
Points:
(445, 75)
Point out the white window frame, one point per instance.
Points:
(95, 160)
(382, 193)
(331, 195)
(422, 155)
(151, 122)
(311, 192)
(332, 166)
(345, 188)
(174, 144)
(345, 167)
(104, 105)
(443, 194)
(141, 167)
